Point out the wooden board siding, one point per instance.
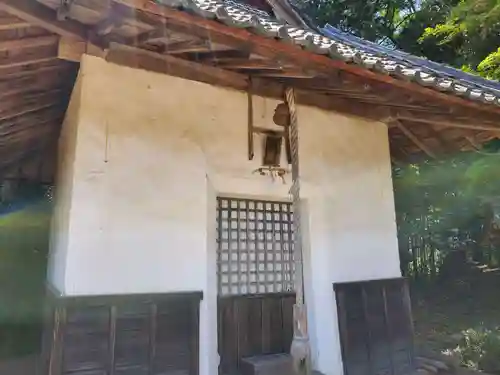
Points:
(253, 325)
(123, 335)
(376, 328)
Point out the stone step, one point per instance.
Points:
(427, 367)
(273, 364)
(440, 365)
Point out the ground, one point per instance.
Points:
(442, 311)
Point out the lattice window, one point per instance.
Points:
(254, 246)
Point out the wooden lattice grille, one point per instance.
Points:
(254, 246)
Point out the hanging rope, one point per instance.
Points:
(295, 193)
(250, 119)
(300, 349)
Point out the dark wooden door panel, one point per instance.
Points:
(253, 325)
(124, 335)
(376, 329)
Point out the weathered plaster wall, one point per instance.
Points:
(64, 185)
(152, 152)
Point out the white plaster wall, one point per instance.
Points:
(152, 153)
(64, 185)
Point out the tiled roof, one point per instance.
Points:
(348, 48)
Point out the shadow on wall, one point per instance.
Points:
(24, 235)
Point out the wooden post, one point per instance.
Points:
(300, 349)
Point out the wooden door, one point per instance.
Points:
(255, 279)
(376, 327)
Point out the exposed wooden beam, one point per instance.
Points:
(107, 25)
(242, 63)
(155, 35)
(187, 46)
(28, 66)
(43, 69)
(72, 49)
(30, 121)
(12, 23)
(244, 39)
(40, 131)
(39, 15)
(34, 42)
(10, 89)
(12, 63)
(222, 55)
(137, 58)
(29, 106)
(472, 142)
(412, 137)
(285, 73)
(447, 120)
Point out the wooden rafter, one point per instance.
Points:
(12, 64)
(43, 102)
(472, 142)
(243, 63)
(107, 25)
(12, 23)
(158, 34)
(187, 46)
(241, 38)
(449, 120)
(285, 73)
(38, 15)
(412, 137)
(187, 23)
(132, 56)
(29, 65)
(34, 42)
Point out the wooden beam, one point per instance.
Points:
(11, 63)
(29, 106)
(472, 142)
(244, 39)
(72, 49)
(286, 73)
(141, 59)
(155, 35)
(43, 69)
(40, 84)
(447, 120)
(241, 63)
(30, 64)
(12, 23)
(187, 46)
(412, 137)
(39, 15)
(107, 25)
(34, 42)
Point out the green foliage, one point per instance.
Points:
(490, 66)
(375, 20)
(445, 205)
(480, 349)
(473, 28)
(461, 33)
(23, 259)
(430, 14)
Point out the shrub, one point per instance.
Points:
(480, 349)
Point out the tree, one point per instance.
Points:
(473, 27)
(430, 14)
(374, 20)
